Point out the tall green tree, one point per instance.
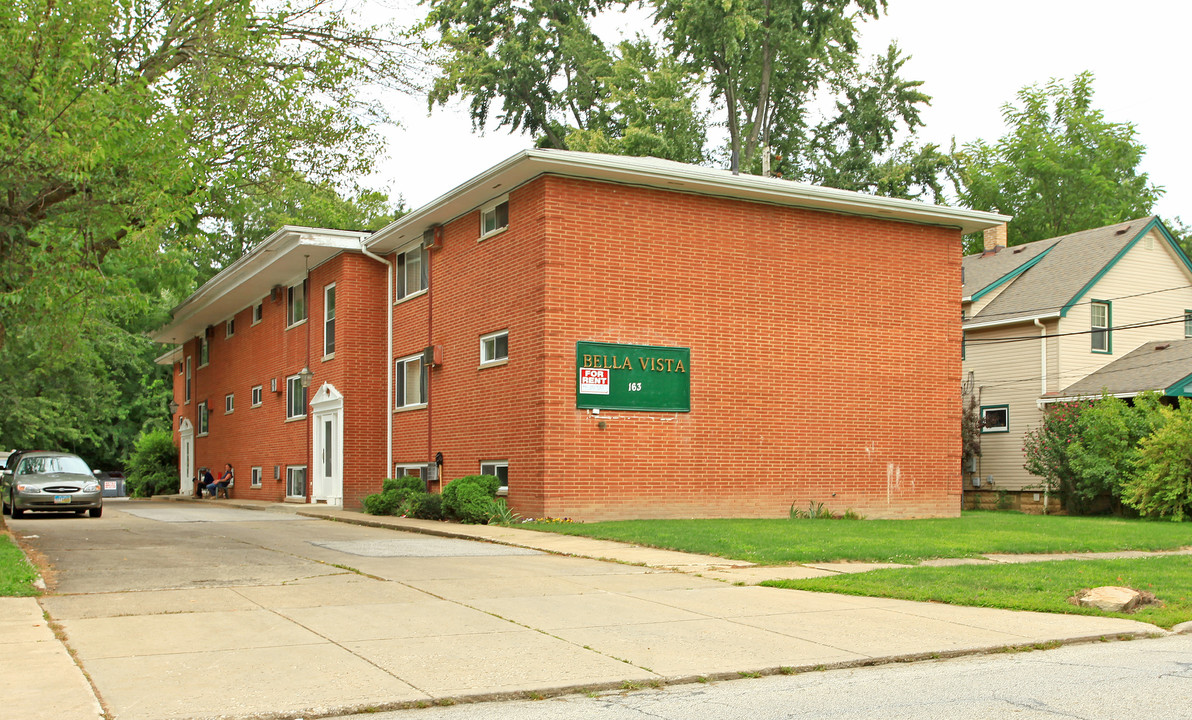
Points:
(127, 132)
(1061, 168)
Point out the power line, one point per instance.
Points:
(1171, 320)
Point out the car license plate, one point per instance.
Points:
(61, 499)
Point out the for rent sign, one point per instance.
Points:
(632, 377)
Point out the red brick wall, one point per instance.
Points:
(822, 355)
(255, 354)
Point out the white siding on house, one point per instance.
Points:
(1140, 270)
(1008, 374)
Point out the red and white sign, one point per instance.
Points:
(593, 381)
(109, 484)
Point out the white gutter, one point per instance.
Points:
(1010, 321)
(388, 355)
(1042, 355)
(1077, 398)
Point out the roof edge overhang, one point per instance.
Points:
(527, 165)
(282, 257)
(169, 357)
(1097, 396)
(1011, 321)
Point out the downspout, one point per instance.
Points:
(1043, 391)
(388, 355)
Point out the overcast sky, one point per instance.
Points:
(973, 58)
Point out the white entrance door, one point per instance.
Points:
(186, 458)
(327, 480)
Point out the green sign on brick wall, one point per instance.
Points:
(632, 377)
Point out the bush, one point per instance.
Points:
(153, 465)
(1047, 450)
(427, 506)
(395, 496)
(1163, 485)
(1105, 457)
(469, 499)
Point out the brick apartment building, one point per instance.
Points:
(612, 336)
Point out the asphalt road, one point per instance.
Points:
(1137, 680)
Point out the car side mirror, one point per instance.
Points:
(95, 473)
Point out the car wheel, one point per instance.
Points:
(4, 506)
(80, 512)
(95, 512)
(16, 511)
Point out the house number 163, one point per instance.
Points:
(634, 387)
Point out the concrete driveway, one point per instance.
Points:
(188, 610)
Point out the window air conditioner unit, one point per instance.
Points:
(275, 293)
(432, 356)
(432, 237)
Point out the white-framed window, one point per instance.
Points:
(494, 347)
(410, 270)
(494, 217)
(229, 327)
(500, 468)
(257, 393)
(1100, 323)
(1187, 323)
(409, 382)
(295, 304)
(296, 481)
(189, 375)
(995, 418)
(202, 418)
(329, 320)
(295, 398)
(258, 312)
(204, 352)
(256, 477)
(229, 403)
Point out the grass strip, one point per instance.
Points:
(1042, 586)
(16, 574)
(776, 541)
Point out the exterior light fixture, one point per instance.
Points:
(305, 377)
(172, 407)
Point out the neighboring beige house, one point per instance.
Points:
(1044, 321)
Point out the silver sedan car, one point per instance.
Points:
(53, 481)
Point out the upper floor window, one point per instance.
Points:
(256, 395)
(409, 382)
(411, 271)
(296, 304)
(494, 218)
(204, 351)
(1188, 323)
(329, 320)
(188, 378)
(258, 311)
(202, 418)
(494, 347)
(230, 327)
(1101, 326)
(229, 403)
(295, 398)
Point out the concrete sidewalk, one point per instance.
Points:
(306, 618)
(38, 678)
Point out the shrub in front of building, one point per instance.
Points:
(153, 465)
(469, 499)
(395, 496)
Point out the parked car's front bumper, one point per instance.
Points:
(57, 502)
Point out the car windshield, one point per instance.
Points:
(44, 465)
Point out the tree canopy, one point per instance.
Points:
(1061, 168)
(763, 65)
(132, 136)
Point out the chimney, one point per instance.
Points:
(995, 238)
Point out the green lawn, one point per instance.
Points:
(905, 541)
(16, 575)
(1044, 587)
